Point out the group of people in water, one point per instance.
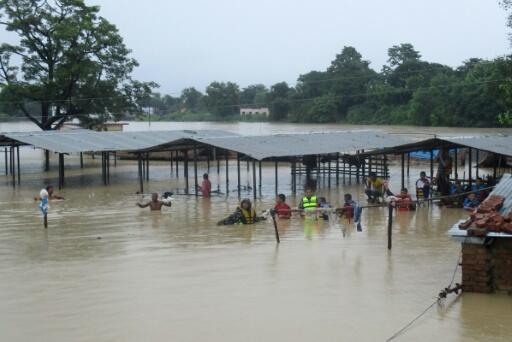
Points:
(311, 206)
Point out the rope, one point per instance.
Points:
(438, 299)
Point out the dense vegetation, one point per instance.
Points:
(407, 90)
(72, 63)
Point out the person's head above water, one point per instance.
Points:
(49, 189)
(154, 197)
(309, 192)
(348, 197)
(472, 196)
(479, 180)
(423, 175)
(246, 204)
(281, 198)
(373, 176)
(404, 191)
(205, 176)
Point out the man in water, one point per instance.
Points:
(376, 188)
(155, 204)
(51, 195)
(206, 186)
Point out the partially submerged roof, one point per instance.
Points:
(304, 144)
(493, 143)
(75, 141)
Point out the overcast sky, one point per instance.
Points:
(193, 42)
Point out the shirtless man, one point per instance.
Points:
(51, 194)
(155, 204)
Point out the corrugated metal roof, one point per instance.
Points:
(496, 143)
(91, 141)
(288, 145)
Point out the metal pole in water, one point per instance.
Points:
(273, 214)
(238, 173)
(227, 170)
(254, 178)
(18, 164)
(403, 171)
(390, 227)
(196, 183)
(276, 165)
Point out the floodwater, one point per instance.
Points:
(106, 270)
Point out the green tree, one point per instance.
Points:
(254, 95)
(73, 63)
(280, 101)
(191, 100)
(223, 99)
(403, 53)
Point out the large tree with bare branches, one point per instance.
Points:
(69, 62)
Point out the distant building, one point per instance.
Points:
(255, 111)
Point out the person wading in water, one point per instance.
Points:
(155, 204)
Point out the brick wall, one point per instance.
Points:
(486, 269)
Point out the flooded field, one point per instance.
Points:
(106, 270)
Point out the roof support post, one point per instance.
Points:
(81, 160)
(294, 176)
(171, 161)
(456, 164)
(431, 164)
(147, 166)
(185, 170)
(218, 160)
(108, 167)
(61, 170)
(103, 169)
(6, 162)
(115, 158)
(403, 170)
(477, 162)
(226, 156)
(177, 155)
(495, 169)
(254, 178)
(358, 166)
(329, 171)
(276, 166)
(370, 165)
(260, 176)
(141, 178)
(196, 182)
(470, 166)
(363, 167)
(46, 160)
(337, 169)
(238, 173)
(344, 171)
(208, 159)
(13, 162)
(408, 164)
(18, 164)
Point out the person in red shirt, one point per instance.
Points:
(282, 209)
(404, 200)
(206, 186)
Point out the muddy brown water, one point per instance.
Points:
(106, 270)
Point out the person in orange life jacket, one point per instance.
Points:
(351, 211)
(404, 200)
(206, 186)
(282, 209)
(244, 214)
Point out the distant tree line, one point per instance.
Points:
(407, 90)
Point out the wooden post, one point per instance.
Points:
(13, 166)
(260, 174)
(147, 166)
(108, 167)
(273, 214)
(337, 169)
(390, 227)
(276, 165)
(431, 164)
(254, 178)
(208, 159)
(141, 176)
(6, 162)
(81, 160)
(171, 161)
(238, 177)
(45, 221)
(18, 164)
(227, 170)
(115, 158)
(177, 154)
(344, 171)
(408, 164)
(329, 171)
(185, 171)
(477, 162)
(403, 171)
(357, 168)
(103, 168)
(456, 160)
(46, 160)
(61, 170)
(470, 166)
(496, 163)
(196, 183)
